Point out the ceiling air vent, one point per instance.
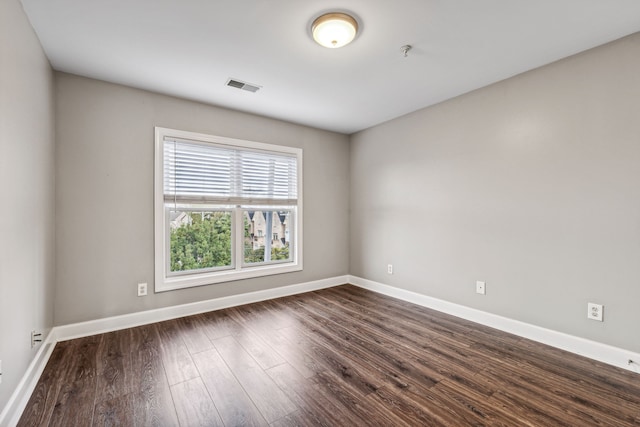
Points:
(243, 85)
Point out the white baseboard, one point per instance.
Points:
(594, 350)
(11, 413)
(108, 324)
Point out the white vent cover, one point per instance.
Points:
(238, 84)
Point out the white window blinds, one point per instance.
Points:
(203, 172)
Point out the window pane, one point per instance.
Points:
(200, 239)
(266, 236)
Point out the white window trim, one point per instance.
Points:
(238, 272)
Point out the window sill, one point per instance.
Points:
(188, 281)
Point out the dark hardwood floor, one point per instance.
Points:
(337, 357)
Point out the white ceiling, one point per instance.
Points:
(189, 49)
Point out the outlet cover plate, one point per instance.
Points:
(595, 311)
(481, 288)
(142, 289)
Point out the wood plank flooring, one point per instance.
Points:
(337, 357)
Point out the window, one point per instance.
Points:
(220, 206)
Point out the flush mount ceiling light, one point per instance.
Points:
(334, 29)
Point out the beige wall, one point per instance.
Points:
(104, 200)
(26, 194)
(531, 184)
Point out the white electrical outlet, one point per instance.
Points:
(595, 311)
(481, 288)
(0, 371)
(142, 289)
(390, 268)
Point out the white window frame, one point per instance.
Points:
(238, 270)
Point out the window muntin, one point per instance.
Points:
(205, 189)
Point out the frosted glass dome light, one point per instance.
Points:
(334, 30)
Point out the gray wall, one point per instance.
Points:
(26, 194)
(531, 184)
(104, 199)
